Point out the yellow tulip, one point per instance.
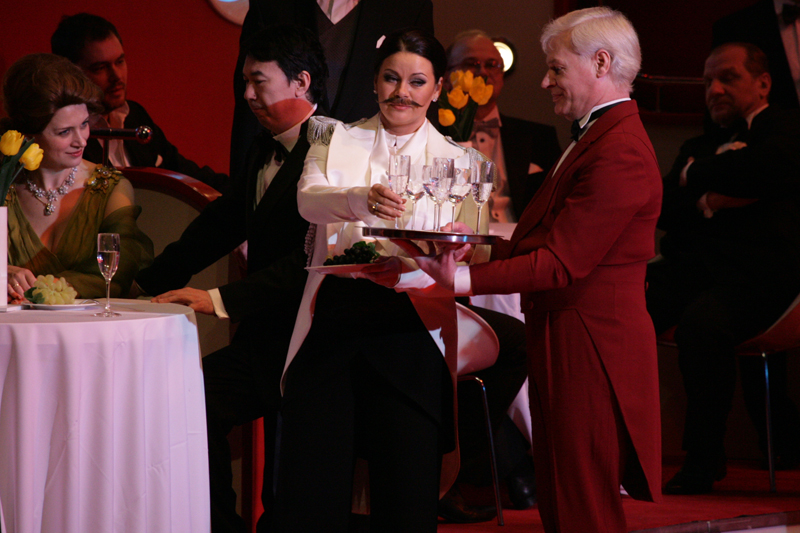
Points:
(446, 117)
(10, 142)
(462, 79)
(32, 157)
(457, 98)
(481, 92)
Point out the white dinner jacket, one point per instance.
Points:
(332, 193)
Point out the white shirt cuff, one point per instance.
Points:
(219, 307)
(462, 282)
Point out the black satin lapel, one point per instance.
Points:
(286, 178)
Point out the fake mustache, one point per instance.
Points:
(400, 101)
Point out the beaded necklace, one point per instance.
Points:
(49, 197)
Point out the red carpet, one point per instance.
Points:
(744, 492)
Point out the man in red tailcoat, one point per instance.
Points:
(578, 257)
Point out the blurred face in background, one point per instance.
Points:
(480, 56)
(406, 86)
(732, 92)
(104, 63)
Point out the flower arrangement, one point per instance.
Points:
(51, 290)
(457, 111)
(18, 153)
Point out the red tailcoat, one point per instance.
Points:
(578, 257)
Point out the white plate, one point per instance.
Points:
(340, 269)
(66, 307)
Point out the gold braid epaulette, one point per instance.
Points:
(101, 177)
(320, 130)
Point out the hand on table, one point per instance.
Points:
(19, 280)
(384, 203)
(197, 299)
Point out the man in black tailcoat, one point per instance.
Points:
(731, 264)
(285, 72)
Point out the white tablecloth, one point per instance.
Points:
(102, 421)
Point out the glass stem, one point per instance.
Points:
(478, 224)
(436, 210)
(108, 296)
(454, 215)
(413, 213)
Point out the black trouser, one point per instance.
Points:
(368, 381)
(242, 385)
(713, 315)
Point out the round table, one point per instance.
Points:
(102, 421)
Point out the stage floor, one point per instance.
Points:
(743, 495)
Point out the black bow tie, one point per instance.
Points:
(790, 13)
(576, 126)
(281, 152)
(490, 127)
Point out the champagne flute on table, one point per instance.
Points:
(108, 260)
(482, 185)
(399, 166)
(459, 188)
(415, 189)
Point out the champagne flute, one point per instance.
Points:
(437, 190)
(399, 166)
(416, 189)
(482, 185)
(443, 169)
(108, 260)
(459, 188)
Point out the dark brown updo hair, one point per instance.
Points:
(38, 85)
(416, 41)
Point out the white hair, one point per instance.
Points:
(599, 28)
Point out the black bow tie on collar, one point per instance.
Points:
(576, 126)
(790, 13)
(281, 152)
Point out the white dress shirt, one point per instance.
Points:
(267, 173)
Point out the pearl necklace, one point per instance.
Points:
(51, 195)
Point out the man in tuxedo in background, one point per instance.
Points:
(523, 150)
(350, 32)
(731, 259)
(93, 43)
(774, 27)
(284, 72)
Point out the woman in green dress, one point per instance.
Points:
(56, 211)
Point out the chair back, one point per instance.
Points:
(783, 335)
(170, 201)
(477, 342)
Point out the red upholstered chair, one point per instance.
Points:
(189, 190)
(783, 335)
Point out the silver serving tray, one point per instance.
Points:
(435, 236)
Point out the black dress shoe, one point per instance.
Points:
(455, 510)
(690, 481)
(522, 491)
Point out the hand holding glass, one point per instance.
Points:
(108, 260)
(482, 185)
(399, 166)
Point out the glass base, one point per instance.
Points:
(107, 314)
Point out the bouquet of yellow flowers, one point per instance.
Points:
(457, 111)
(17, 153)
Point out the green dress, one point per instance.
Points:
(75, 254)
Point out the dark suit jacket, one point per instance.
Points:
(526, 142)
(757, 24)
(267, 299)
(145, 155)
(760, 241)
(578, 257)
(355, 99)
